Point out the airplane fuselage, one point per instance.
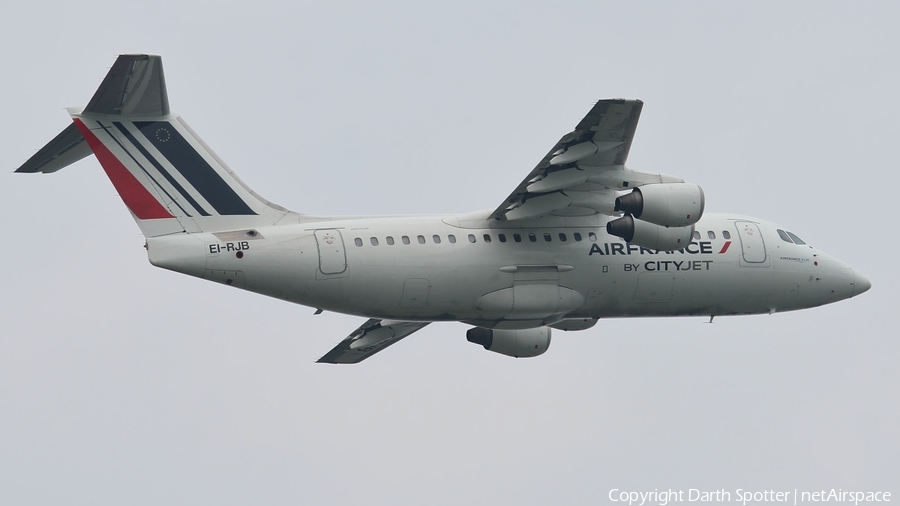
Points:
(488, 273)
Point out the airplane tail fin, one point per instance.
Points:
(169, 179)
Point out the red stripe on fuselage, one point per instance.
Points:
(136, 197)
(725, 247)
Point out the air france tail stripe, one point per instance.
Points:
(136, 197)
(195, 169)
(175, 184)
(145, 171)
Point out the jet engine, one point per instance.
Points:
(521, 343)
(669, 204)
(649, 235)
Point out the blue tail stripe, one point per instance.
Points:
(194, 168)
(161, 170)
(146, 173)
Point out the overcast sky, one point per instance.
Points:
(125, 384)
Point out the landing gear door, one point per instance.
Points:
(753, 246)
(332, 257)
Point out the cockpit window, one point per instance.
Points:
(796, 239)
(784, 236)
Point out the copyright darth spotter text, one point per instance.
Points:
(744, 496)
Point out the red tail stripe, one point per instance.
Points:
(136, 197)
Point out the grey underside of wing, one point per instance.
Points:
(66, 148)
(371, 337)
(603, 137)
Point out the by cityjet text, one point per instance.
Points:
(743, 496)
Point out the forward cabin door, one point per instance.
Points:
(753, 248)
(332, 257)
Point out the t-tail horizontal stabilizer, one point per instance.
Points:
(65, 149)
(134, 87)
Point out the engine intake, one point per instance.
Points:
(669, 204)
(520, 343)
(649, 235)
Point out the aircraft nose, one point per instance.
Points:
(860, 284)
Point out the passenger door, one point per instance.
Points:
(332, 257)
(753, 247)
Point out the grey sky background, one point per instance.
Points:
(125, 384)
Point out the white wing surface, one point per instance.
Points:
(583, 171)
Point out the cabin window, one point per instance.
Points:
(421, 239)
(532, 237)
(784, 236)
(487, 237)
(548, 237)
(711, 234)
(726, 234)
(502, 237)
(405, 239)
(390, 240)
(517, 237)
(562, 237)
(577, 236)
(592, 236)
(436, 238)
(358, 242)
(451, 238)
(471, 238)
(374, 241)
(796, 239)
(696, 235)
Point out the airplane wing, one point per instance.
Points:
(583, 171)
(370, 338)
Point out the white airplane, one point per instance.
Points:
(582, 237)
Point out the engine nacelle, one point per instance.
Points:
(668, 204)
(521, 343)
(649, 235)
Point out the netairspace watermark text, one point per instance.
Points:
(744, 497)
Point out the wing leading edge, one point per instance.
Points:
(582, 172)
